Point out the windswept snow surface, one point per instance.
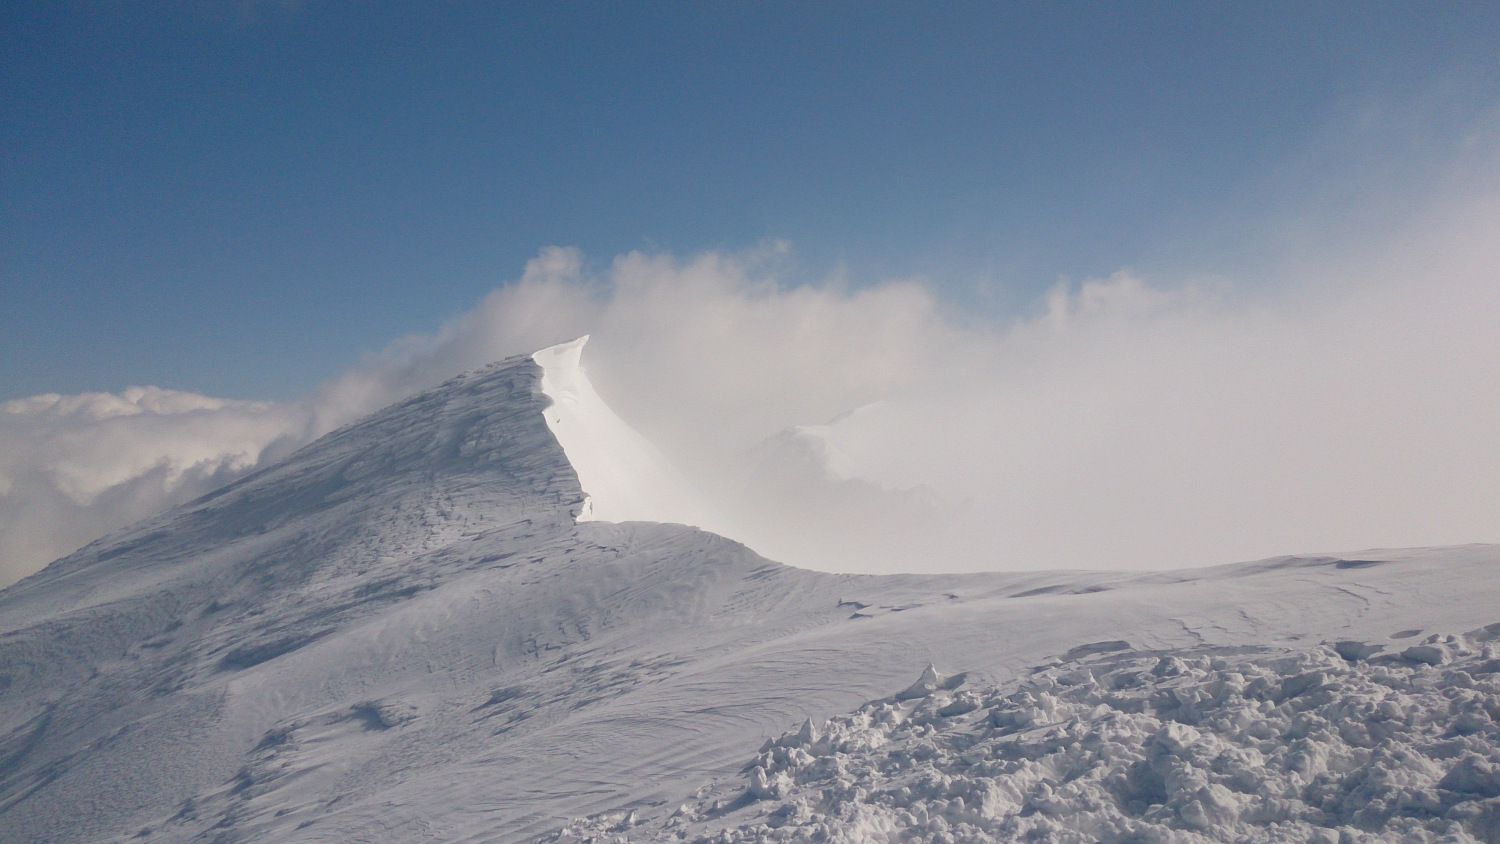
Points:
(624, 476)
(403, 633)
(1111, 744)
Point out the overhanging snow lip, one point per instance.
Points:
(623, 475)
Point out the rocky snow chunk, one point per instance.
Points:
(1338, 744)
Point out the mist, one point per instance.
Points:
(1129, 422)
(1124, 422)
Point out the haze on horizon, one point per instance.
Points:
(959, 289)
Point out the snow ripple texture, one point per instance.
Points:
(1344, 743)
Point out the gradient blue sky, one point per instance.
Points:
(242, 198)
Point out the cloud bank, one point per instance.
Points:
(1128, 422)
(73, 468)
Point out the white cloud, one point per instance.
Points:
(75, 467)
(1131, 423)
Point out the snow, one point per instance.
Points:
(404, 632)
(625, 477)
(1201, 745)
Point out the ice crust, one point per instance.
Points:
(404, 633)
(1195, 746)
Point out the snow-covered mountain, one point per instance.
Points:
(422, 628)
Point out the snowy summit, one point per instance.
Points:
(468, 617)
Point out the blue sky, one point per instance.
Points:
(241, 198)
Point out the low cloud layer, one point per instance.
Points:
(73, 468)
(1130, 422)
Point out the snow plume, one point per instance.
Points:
(713, 352)
(1128, 422)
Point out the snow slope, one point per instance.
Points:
(404, 633)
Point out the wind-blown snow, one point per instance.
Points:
(625, 477)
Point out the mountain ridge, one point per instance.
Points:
(403, 633)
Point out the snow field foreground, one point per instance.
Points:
(1342, 743)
